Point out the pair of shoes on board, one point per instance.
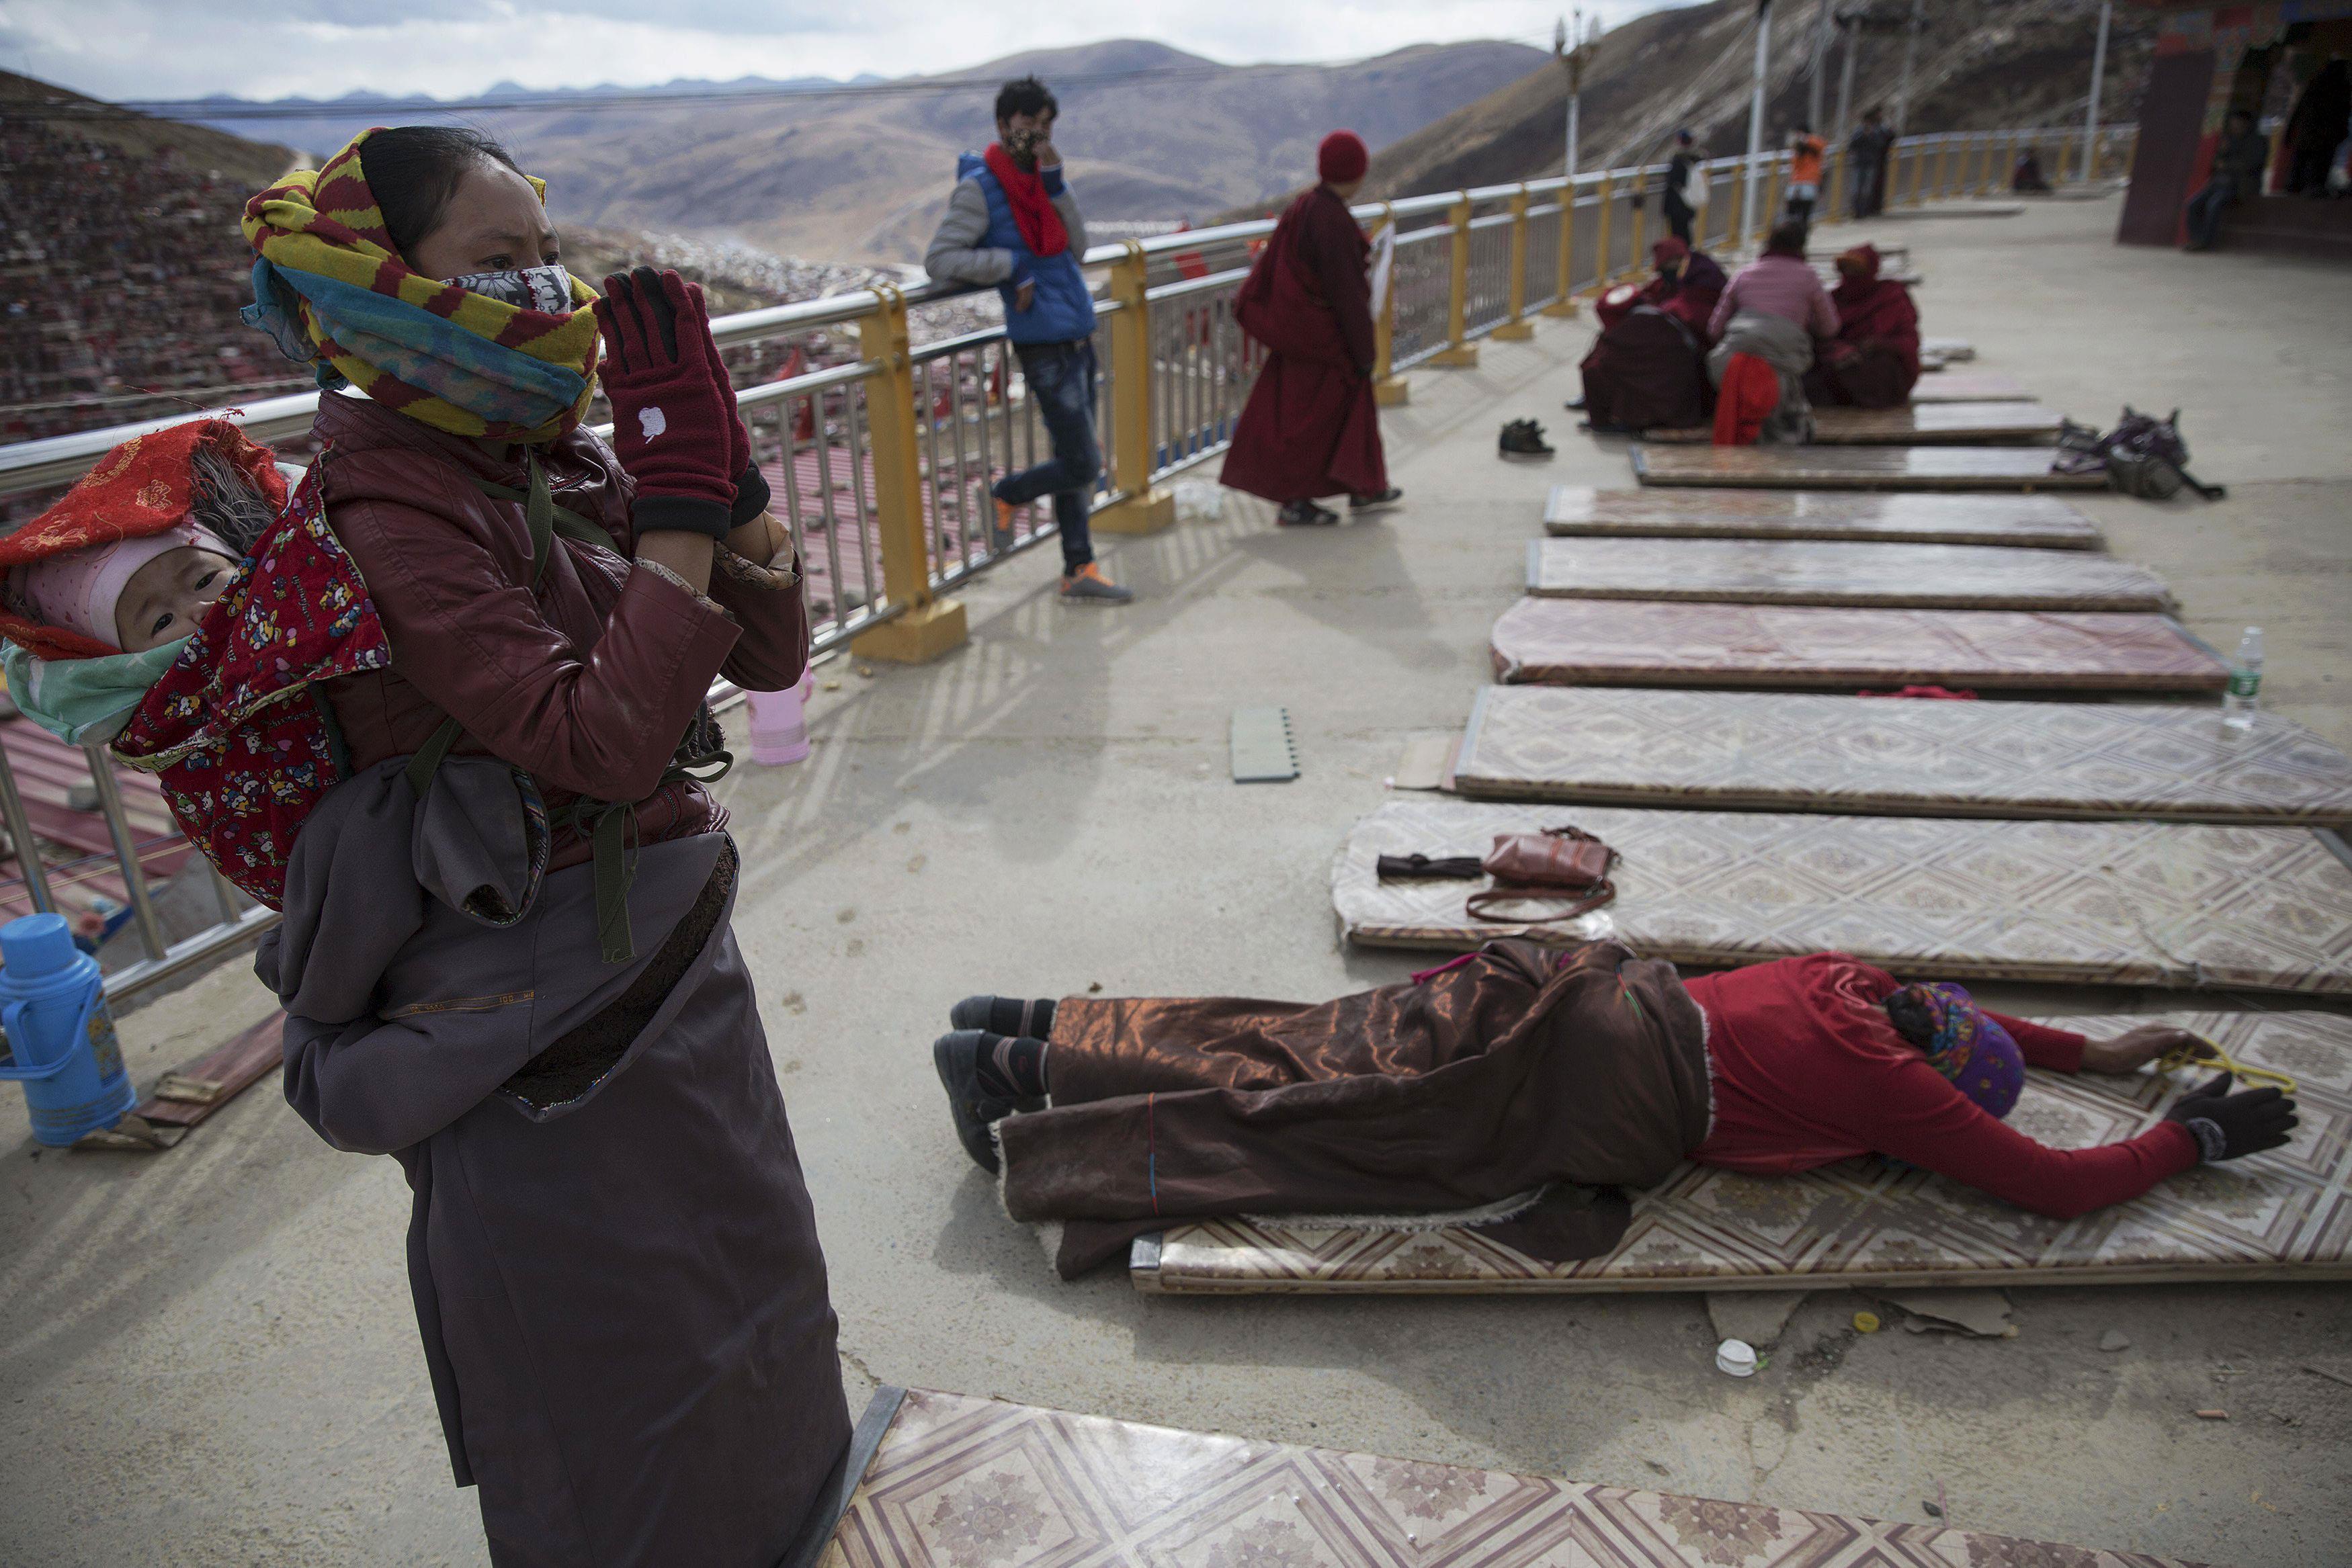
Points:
(1359, 505)
(1306, 515)
(1523, 438)
(1087, 585)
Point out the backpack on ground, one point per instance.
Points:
(2143, 455)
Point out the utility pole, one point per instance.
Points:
(1824, 20)
(1573, 47)
(1756, 106)
(1910, 61)
(2098, 76)
(1850, 27)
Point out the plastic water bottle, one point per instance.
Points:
(780, 723)
(61, 1039)
(2245, 693)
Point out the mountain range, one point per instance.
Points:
(1152, 135)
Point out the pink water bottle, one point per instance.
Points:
(779, 723)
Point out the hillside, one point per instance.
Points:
(232, 158)
(1157, 136)
(1982, 64)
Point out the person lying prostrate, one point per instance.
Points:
(1482, 1081)
(1874, 361)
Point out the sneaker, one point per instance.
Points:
(1305, 514)
(1000, 535)
(957, 1058)
(1380, 502)
(1087, 585)
(1003, 1015)
(1523, 438)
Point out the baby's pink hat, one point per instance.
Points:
(78, 591)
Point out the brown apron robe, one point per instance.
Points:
(619, 1284)
(1516, 1071)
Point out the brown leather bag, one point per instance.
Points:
(1558, 862)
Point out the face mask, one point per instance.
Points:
(547, 288)
(1019, 143)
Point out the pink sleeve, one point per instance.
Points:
(1723, 310)
(1825, 316)
(1910, 1112)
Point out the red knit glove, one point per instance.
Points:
(751, 493)
(672, 425)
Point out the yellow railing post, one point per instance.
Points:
(1127, 445)
(1943, 166)
(1565, 305)
(1770, 214)
(1518, 328)
(1919, 173)
(926, 626)
(1601, 273)
(1832, 186)
(1459, 353)
(1389, 388)
(1635, 251)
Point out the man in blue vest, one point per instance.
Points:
(1014, 223)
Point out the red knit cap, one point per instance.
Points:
(1342, 157)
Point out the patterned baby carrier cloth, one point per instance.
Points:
(240, 737)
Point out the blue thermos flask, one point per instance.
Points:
(60, 1036)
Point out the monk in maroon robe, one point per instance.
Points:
(1874, 361)
(1648, 370)
(1311, 427)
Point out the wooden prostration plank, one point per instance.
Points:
(1919, 425)
(1785, 751)
(2041, 521)
(1629, 642)
(1814, 571)
(1971, 386)
(1860, 468)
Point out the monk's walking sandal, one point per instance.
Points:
(1523, 438)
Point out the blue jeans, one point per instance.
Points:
(2205, 211)
(1061, 377)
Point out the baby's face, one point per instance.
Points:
(165, 599)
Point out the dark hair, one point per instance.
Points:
(2244, 114)
(1803, 129)
(1910, 1017)
(1026, 96)
(414, 171)
(1873, 112)
(1788, 237)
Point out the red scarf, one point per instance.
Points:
(1032, 211)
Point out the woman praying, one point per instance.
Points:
(1874, 361)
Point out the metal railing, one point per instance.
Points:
(882, 461)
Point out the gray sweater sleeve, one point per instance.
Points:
(956, 255)
(1067, 205)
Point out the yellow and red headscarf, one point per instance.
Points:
(447, 356)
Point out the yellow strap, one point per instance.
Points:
(2186, 1056)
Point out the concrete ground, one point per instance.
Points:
(208, 1356)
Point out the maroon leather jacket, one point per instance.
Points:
(590, 682)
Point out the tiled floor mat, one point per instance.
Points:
(1936, 424)
(2043, 521)
(1860, 468)
(1804, 752)
(2135, 904)
(2283, 1215)
(1632, 642)
(962, 1482)
(1822, 571)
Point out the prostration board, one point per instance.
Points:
(1918, 425)
(1970, 386)
(1860, 468)
(959, 1482)
(2036, 521)
(1868, 1222)
(1636, 641)
(1816, 572)
(2178, 904)
(1806, 752)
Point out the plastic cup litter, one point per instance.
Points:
(779, 723)
(1737, 1357)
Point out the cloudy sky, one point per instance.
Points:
(269, 48)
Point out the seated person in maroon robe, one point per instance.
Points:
(1311, 426)
(1874, 361)
(1514, 1081)
(1648, 371)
